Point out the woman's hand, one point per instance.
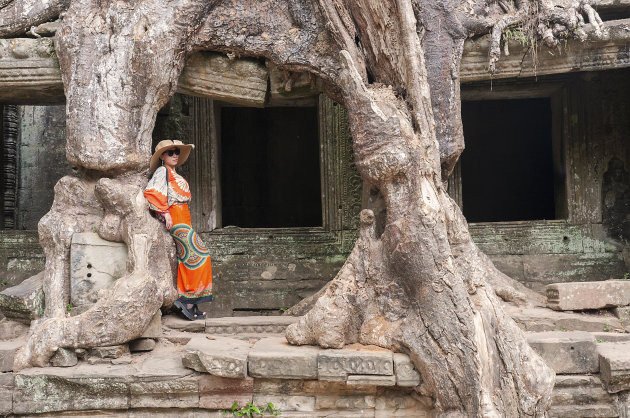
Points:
(169, 220)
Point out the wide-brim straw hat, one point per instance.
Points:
(167, 144)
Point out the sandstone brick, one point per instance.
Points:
(336, 365)
(286, 402)
(39, 392)
(275, 358)
(614, 363)
(221, 392)
(355, 379)
(114, 351)
(64, 357)
(142, 344)
(249, 325)
(6, 393)
(166, 393)
(10, 330)
(154, 329)
(7, 353)
(406, 374)
(24, 301)
(344, 402)
(566, 352)
(574, 296)
(95, 264)
(224, 357)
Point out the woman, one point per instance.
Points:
(168, 195)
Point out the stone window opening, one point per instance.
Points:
(269, 167)
(512, 168)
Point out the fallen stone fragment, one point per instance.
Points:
(81, 353)
(614, 366)
(7, 353)
(336, 365)
(24, 301)
(10, 330)
(154, 329)
(575, 296)
(570, 352)
(371, 380)
(275, 358)
(121, 360)
(113, 351)
(64, 357)
(406, 374)
(224, 357)
(142, 344)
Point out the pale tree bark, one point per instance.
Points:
(421, 286)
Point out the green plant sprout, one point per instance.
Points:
(250, 410)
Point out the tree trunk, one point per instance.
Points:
(421, 286)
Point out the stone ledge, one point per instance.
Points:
(614, 365)
(249, 324)
(576, 296)
(566, 352)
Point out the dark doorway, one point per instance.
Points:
(270, 167)
(507, 166)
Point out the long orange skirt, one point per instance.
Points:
(194, 272)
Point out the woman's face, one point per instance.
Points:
(170, 157)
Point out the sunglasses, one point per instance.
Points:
(171, 152)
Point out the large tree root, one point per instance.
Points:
(421, 287)
(125, 310)
(18, 16)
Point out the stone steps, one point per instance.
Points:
(614, 365)
(581, 396)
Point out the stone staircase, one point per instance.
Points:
(207, 365)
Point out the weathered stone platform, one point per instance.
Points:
(246, 359)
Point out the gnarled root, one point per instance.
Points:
(127, 308)
(18, 16)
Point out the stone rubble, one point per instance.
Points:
(25, 301)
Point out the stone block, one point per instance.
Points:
(64, 357)
(10, 330)
(574, 296)
(570, 352)
(336, 365)
(94, 265)
(179, 324)
(161, 366)
(154, 329)
(285, 402)
(40, 391)
(406, 374)
(623, 313)
(221, 356)
(6, 393)
(142, 344)
(275, 358)
(375, 380)
(614, 366)
(114, 351)
(336, 388)
(7, 353)
(24, 301)
(344, 402)
(540, 319)
(166, 393)
(249, 325)
(221, 392)
(392, 402)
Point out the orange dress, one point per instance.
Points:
(167, 191)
